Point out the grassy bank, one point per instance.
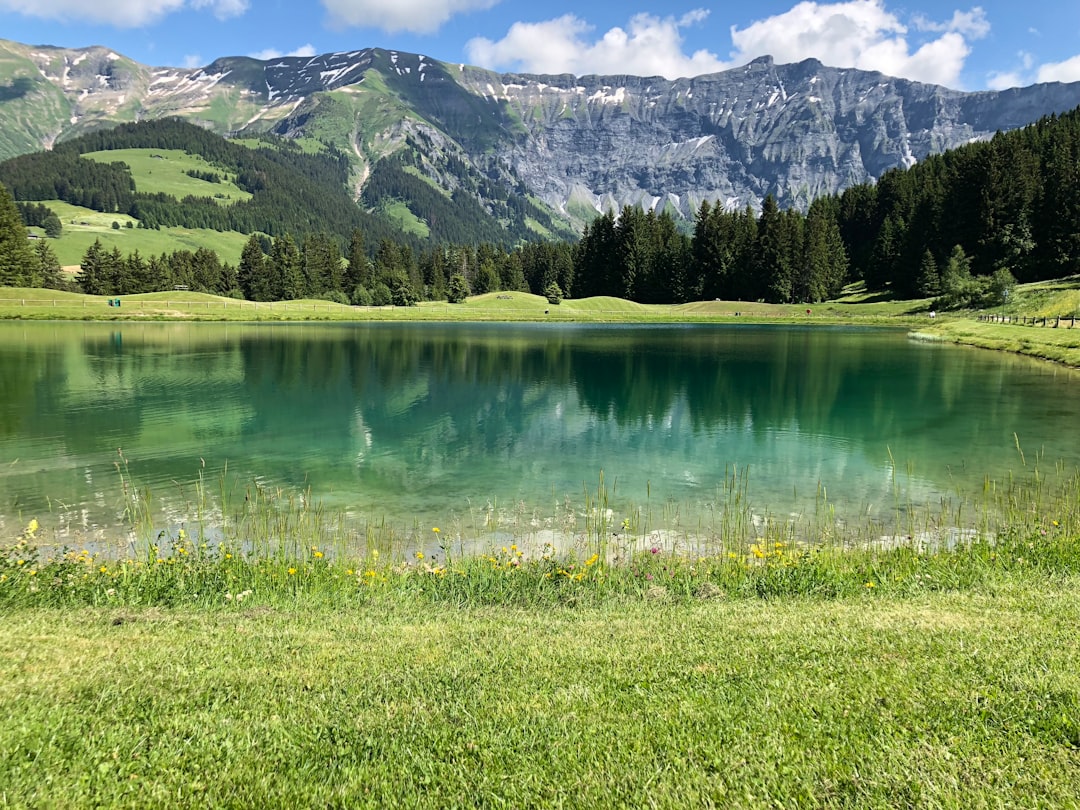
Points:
(951, 685)
(1045, 300)
(1059, 345)
(33, 304)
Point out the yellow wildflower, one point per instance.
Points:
(292, 572)
(32, 527)
(436, 530)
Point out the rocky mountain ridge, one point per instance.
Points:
(579, 144)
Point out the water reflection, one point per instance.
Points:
(420, 420)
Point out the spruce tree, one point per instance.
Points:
(251, 274)
(48, 266)
(17, 260)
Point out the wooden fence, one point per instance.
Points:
(1051, 322)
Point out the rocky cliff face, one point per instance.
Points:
(581, 144)
(796, 131)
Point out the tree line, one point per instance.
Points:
(958, 228)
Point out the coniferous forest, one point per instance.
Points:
(958, 227)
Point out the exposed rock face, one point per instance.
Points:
(796, 131)
(581, 144)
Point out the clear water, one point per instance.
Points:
(417, 423)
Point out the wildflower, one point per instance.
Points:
(436, 530)
(228, 556)
(374, 554)
(103, 570)
(32, 527)
(182, 535)
(419, 555)
(292, 572)
(318, 555)
(870, 585)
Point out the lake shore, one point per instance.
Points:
(1061, 346)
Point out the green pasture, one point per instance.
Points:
(163, 171)
(82, 226)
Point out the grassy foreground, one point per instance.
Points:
(942, 700)
(780, 677)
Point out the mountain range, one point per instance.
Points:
(573, 146)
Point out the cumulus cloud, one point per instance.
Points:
(1026, 73)
(415, 16)
(863, 34)
(274, 53)
(1067, 71)
(119, 13)
(649, 46)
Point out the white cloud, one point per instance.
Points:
(119, 13)
(193, 60)
(274, 53)
(1025, 74)
(650, 46)
(1067, 71)
(415, 16)
(223, 9)
(863, 34)
(969, 23)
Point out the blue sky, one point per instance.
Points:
(996, 44)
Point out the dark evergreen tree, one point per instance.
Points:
(51, 275)
(252, 274)
(91, 276)
(18, 265)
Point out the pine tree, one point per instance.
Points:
(91, 270)
(251, 274)
(48, 266)
(287, 267)
(358, 271)
(929, 280)
(18, 264)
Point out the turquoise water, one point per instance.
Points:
(417, 423)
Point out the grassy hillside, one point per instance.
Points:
(82, 226)
(164, 171)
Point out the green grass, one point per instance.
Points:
(301, 681)
(166, 175)
(400, 213)
(1046, 299)
(82, 226)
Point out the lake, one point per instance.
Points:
(420, 424)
